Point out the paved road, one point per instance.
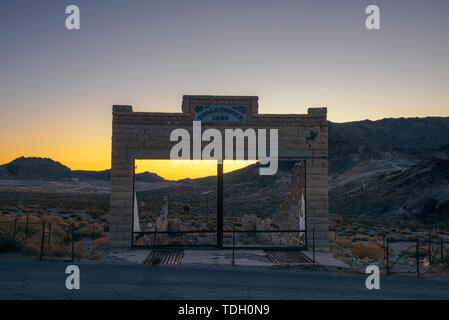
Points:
(46, 280)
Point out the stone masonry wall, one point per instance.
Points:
(145, 135)
(290, 214)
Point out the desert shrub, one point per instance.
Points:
(54, 220)
(32, 247)
(343, 243)
(410, 237)
(83, 224)
(98, 229)
(56, 251)
(95, 213)
(101, 243)
(362, 237)
(370, 250)
(83, 232)
(393, 238)
(73, 215)
(4, 217)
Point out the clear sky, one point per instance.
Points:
(57, 86)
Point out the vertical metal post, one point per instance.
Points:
(313, 245)
(305, 205)
(430, 249)
(233, 245)
(388, 256)
(207, 208)
(26, 226)
(49, 234)
(42, 241)
(154, 238)
(15, 228)
(73, 242)
(417, 257)
(133, 199)
(220, 205)
(442, 247)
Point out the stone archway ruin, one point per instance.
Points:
(146, 135)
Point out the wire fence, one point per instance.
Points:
(417, 256)
(415, 253)
(44, 239)
(247, 239)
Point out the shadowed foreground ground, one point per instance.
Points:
(46, 280)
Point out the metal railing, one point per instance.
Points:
(155, 242)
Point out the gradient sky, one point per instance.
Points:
(57, 86)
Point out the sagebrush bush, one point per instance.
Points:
(369, 250)
(101, 243)
(343, 243)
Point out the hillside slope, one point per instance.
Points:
(390, 167)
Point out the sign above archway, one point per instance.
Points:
(220, 113)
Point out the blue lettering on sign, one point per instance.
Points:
(220, 113)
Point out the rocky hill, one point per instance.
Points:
(390, 167)
(34, 168)
(45, 169)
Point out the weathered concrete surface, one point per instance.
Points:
(46, 280)
(325, 259)
(132, 256)
(219, 257)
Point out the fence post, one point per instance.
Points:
(313, 245)
(417, 257)
(42, 241)
(26, 226)
(442, 247)
(73, 242)
(49, 234)
(388, 256)
(15, 228)
(154, 239)
(233, 245)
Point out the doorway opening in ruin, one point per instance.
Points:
(266, 211)
(180, 208)
(257, 211)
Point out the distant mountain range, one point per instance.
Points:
(34, 168)
(396, 167)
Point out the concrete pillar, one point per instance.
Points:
(122, 184)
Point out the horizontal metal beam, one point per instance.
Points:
(162, 154)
